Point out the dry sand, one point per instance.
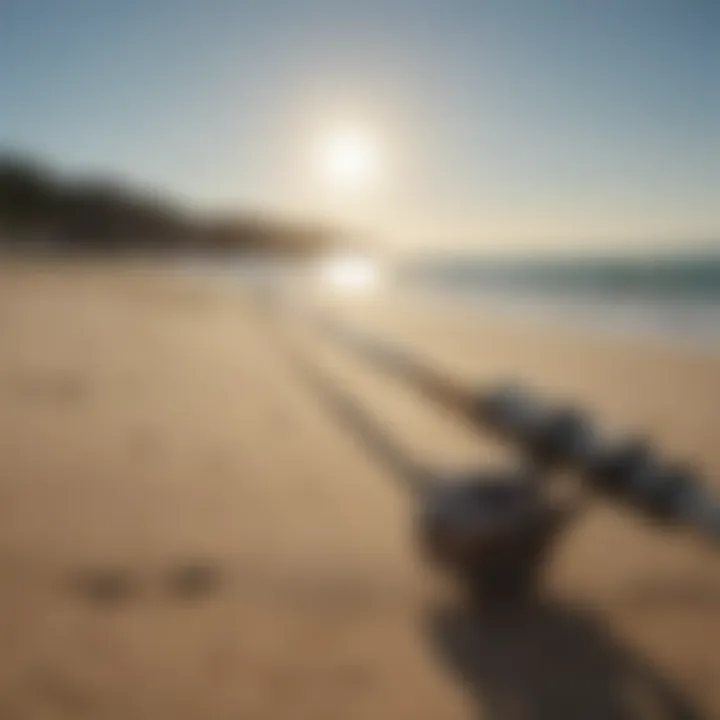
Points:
(186, 532)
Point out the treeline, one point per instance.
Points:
(41, 210)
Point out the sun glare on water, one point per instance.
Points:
(349, 274)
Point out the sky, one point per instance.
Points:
(498, 124)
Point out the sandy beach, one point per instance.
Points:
(187, 532)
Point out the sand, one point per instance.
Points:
(187, 532)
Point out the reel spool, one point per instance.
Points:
(491, 530)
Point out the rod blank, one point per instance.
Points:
(551, 436)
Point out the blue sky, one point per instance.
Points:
(505, 123)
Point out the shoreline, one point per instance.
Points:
(591, 315)
(588, 314)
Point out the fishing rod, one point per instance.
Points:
(491, 528)
(494, 529)
(550, 437)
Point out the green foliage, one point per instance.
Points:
(102, 216)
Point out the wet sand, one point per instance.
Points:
(187, 532)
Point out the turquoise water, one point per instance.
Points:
(674, 297)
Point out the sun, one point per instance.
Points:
(348, 159)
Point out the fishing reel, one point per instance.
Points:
(493, 530)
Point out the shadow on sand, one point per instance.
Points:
(547, 661)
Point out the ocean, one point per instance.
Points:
(669, 298)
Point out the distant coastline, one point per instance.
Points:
(42, 210)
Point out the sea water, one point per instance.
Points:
(674, 298)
